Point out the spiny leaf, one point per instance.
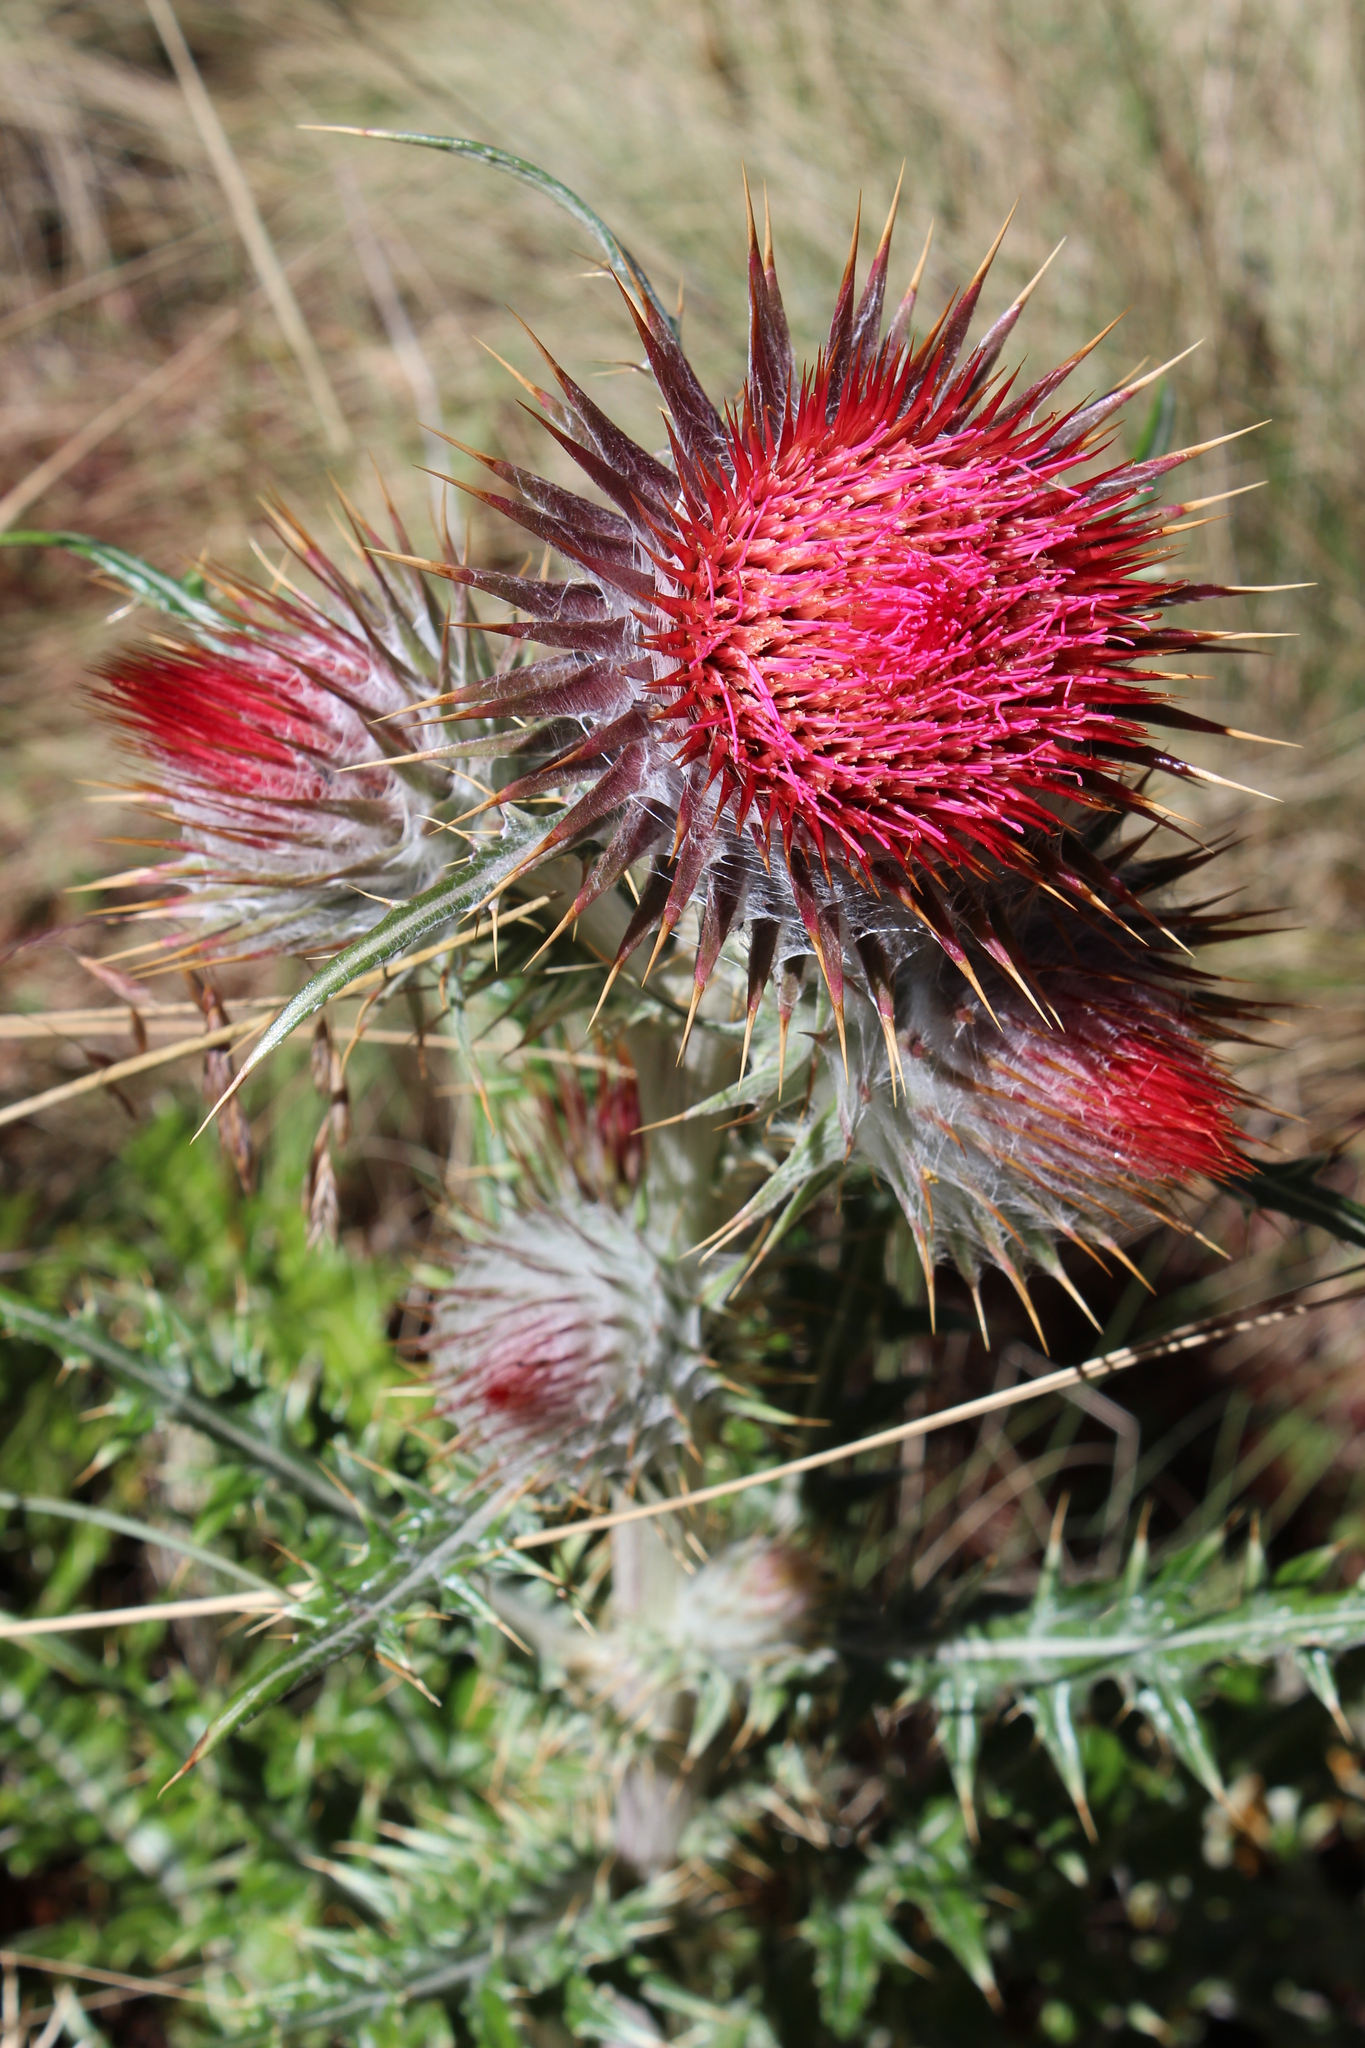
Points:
(1171, 1712)
(151, 586)
(401, 930)
(71, 1333)
(1294, 1190)
(1049, 1709)
(357, 1623)
(818, 1151)
(1157, 1637)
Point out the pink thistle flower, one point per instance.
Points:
(565, 1343)
(862, 639)
(267, 746)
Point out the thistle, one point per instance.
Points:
(856, 647)
(747, 1614)
(1088, 1114)
(268, 746)
(564, 1343)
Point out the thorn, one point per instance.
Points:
(748, 1034)
(1021, 1289)
(1260, 739)
(664, 930)
(782, 1023)
(884, 246)
(853, 245)
(545, 945)
(990, 255)
(606, 991)
(966, 967)
(839, 1026)
(697, 988)
(1218, 498)
(1060, 1274)
(524, 382)
(893, 1053)
(1117, 1252)
(1207, 775)
(1141, 383)
(1203, 447)
(1027, 293)
(980, 1313)
(914, 284)
(767, 233)
(749, 210)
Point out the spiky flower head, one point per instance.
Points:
(269, 743)
(1085, 1113)
(861, 640)
(565, 1346)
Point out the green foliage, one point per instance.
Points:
(1157, 1637)
(398, 1825)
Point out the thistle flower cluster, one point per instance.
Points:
(864, 673)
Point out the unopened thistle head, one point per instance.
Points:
(749, 1612)
(268, 746)
(566, 1347)
(857, 644)
(1005, 1125)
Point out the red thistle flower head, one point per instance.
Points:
(566, 1343)
(1003, 1127)
(268, 745)
(864, 638)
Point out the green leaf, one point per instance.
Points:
(848, 1961)
(151, 586)
(817, 1155)
(1171, 1712)
(1156, 1637)
(1308, 1567)
(623, 264)
(492, 2021)
(960, 1737)
(1294, 1190)
(358, 1622)
(1049, 1709)
(447, 903)
(124, 1525)
(71, 1333)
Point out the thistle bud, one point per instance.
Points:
(566, 1345)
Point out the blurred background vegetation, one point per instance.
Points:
(1206, 164)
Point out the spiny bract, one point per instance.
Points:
(1003, 1124)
